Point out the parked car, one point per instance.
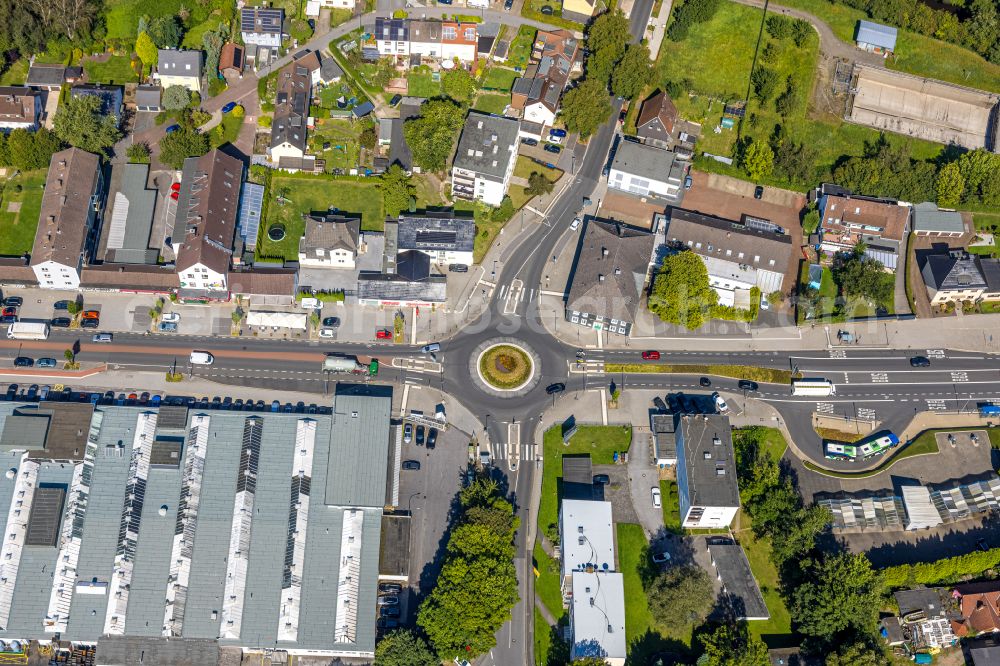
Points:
(656, 497)
(46, 363)
(15, 301)
(102, 337)
(651, 355)
(383, 334)
(432, 438)
(407, 433)
(275, 406)
(173, 128)
(546, 9)
(171, 317)
(411, 464)
(458, 268)
(688, 182)
(602, 479)
(551, 148)
(32, 391)
(558, 387)
(393, 611)
(8, 319)
(529, 142)
(575, 224)
(327, 332)
(90, 323)
(61, 305)
(561, 133)
(91, 314)
(764, 304)
(388, 600)
(758, 192)
(661, 558)
(310, 303)
(332, 322)
(507, 5)
(387, 623)
(659, 404)
(920, 362)
(390, 588)
(396, 99)
(9, 312)
(229, 107)
(747, 385)
(720, 403)
(167, 327)
(705, 381)
(420, 435)
(23, 362)
(60, 322)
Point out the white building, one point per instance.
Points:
(459, 40)
(597, 617)
(19, 108)
(444, 238)
(587, 539)
(392, 36)
(337, 4)
(645, 171)
(179, 68)
(706, 472)
(330, 241)
(484, 161)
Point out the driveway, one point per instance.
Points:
(643, 476)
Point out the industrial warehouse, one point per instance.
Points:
(164, 534)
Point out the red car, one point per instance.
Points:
(650, 356)
(174, 195)
(383, 334)
(175, 187)
(9, 312)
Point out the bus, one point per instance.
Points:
(837, 451)
(878, 446)
(813, 387)
(27, 330)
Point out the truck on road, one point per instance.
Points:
(347, 364)
(813, 387)
(989, 411)
(27, 330)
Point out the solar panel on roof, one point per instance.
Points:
(251, 204)
(46, 515)
(436, 237)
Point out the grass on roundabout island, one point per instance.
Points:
(505, 366)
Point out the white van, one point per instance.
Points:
(201, 358)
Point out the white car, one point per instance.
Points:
(575, 224)
(171, 317)
(311, 304)
(720, 403)
(764, 305)
(202, 358)
(327, 333)
(656, 497)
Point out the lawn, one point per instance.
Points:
(316, 194)
(17, 229)
(495, 104)
(421, 83)
(715, 58)
(547, 584)
(520, 47)
(230, 130)
(193, 37)
(532, 10)
(985, 221)
(543, 639)
(773, 443)
(16, 74)
(116, 69)
(671, 506)
(525, 166)
(500, 78)
(777, 631)
(342, 135)
(427, 192)
(122, 16)
(600, 442)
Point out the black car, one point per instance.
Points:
(507, 4)
(8, 319)
(420, 435)
(432, 438)
(458, 268)
(390, 588)
(747, 385)
(411, 464)
(60, 322)
(332, 322)
(12, 391)
(758, 192)
(547, 10)
(601, 479)
(387, 623)
(61, 305)
(558, 387)
(552, 148)
(659, 404)
(23, 362)
(529, 142)
(920, 362)
(13, 302)
(391, 611)
(396, 99)
(705, 381)
(90, 323)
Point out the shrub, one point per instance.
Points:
(778, 26)
(947, 570)
(691, 13)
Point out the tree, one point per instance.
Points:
(778, 26)
(732, 644)
(165, 31)
(788, 100)
(839, 598)
(212, 41)
(863, 276)
(397, 190)
(758, 160)
(178, 146)
(950, 185)
(801, 31)
(538, 185)
(680, 597)
(146, 50)
(238, 111)
(606, 41)
(65, 17)
(458, 84)
(138, 153)
(432, 135)
(765, 83)
(632, 73)
(795, 161)
(688, 14)
(404, 648)
(681, 294)
(810, 223)
(504, 211)
(368, 138)
(81, 122)
(21, 29)
(32, 150)
(586, 107)
(176, 98)
(858, 654)
(589, 661)
(300, 30)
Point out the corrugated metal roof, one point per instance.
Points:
(360, 434)
(877, 34)
(927, 217)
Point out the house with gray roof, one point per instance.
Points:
(646, 171)
(706, 472)
(128, 234)
(446, 239)
(740, 597)
(876, 38)
(291, 111)
(956, 275)
(407, 281)
(45, 76)
(485, 158)
(147, 98)
(179, 67)
(331, 241)
(555, 55)
(610, 272)
(929, 220)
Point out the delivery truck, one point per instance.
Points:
(27, 330)
(347, 364)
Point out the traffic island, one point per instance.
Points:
(504, 367)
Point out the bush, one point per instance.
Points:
(778, 27)
(689, 14)
(176, 98)
(947, 570)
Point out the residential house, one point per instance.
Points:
(610, 273)
(337, 4)
(177, 67)
(112, 98)
(331, 241)
(706, 472)
(262, 26)
(392, 36)
(425, 38)
(665, 433)
(485, 158)
(205, 225)
(69, 220)
(929, 220)
(459, 41)
(983, 651)
(385, 131)
(739, 587)
(407, 280)
(441, 236)
(147, 98)
(128, 238)
(979, 604)
(739, 256)
(49, 77)
(645, 171)
(444, 40)
(580, 10)
(20, 108)
(502, 50)
(925, 614)
(847, 219)
(958, 276)
(876, 38)
(232, 60)
(656, 121)
(291, 111)
(272, 286)
(322, 69)
(488, 33)
(555, 54)
(587, 537)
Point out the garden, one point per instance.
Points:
(20, 205)
(520, 47)
(338, 142)
(505, 367)
(110, 69)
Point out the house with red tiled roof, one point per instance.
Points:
(979, 604)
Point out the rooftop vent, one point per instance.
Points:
(716, 441)
(708, 455)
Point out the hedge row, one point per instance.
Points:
(753, 373)
(947, 570)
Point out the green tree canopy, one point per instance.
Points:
(176, 98)
(212, 41)
(80, 122)
(633, 72)
(397, 190)
(858, 654)
(21, 29)
(950, 185)
(765, 82)
(138, 153)
(404, 648)
(732, 644)
(680, 597)
(538, 184)
(458, 84)
(146, 50)
(586, 107)
(838, 600)
(758, 160)
(431, 136)
(863, 276)
(32, 150)
(681, 294)
(165, 31)
(606, 40)
(178, 146)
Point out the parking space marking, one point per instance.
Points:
(824, 408)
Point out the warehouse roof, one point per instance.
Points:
(928, 218)
(877, 34)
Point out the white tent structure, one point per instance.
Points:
(920, 510)
(296, 320)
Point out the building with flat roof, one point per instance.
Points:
(876, 38)
(262, 26)
(182, 531)
(587, 538)
(706, 472)
(597, 617)
(665, 435)
(929, 220)
(645, 170)
(741, 597)
(128, 236)
(407, 280)
(485, 158)
(446, 239)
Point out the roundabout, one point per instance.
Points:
(504, 367)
